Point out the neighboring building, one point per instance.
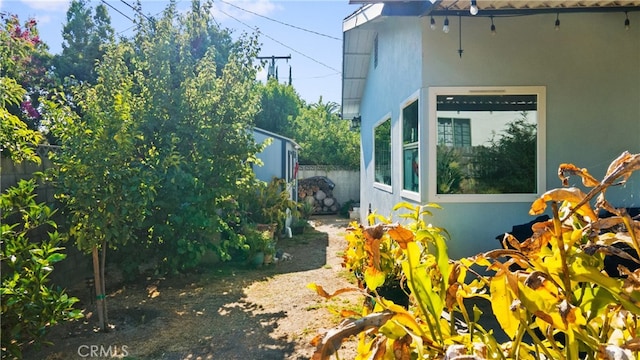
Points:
(280, 159)
(444, 114)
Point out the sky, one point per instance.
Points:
(310, 31)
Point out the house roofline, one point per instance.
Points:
(277, 136)
(372, 10)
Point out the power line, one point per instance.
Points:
(279, 42)
(316, 77)
(137, 10)
(120, 12)
(280, 22)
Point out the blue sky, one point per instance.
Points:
(309, 31)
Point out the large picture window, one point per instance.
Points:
(410, 153)
(486, 144)
(382, 152)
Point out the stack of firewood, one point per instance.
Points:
(318, 191)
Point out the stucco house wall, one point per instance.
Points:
(590, 68)
(396, 78)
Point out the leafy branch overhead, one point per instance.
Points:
(552, 294)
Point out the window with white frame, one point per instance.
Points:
(410, 149)
(486, 144)
(382, 152)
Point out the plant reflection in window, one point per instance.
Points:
(487, 143)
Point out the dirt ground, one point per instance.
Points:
(230, 313)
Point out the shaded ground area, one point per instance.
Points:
(229, 313)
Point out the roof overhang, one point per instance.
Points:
(359, 28)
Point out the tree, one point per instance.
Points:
(164, 146)
(84, 36)
(103, 178)
(325, 138)
(279, 105)
(24, 60)
(200, 108)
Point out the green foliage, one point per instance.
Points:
(508, 164)
(305, 210)
(15, 135)
(21, 70)
(450, 174)
(325, 138)
(199, 107)
(30, 306)
(85, 35)
(103, 177)
(345, 208)
(259, 240)
(168, 125)
(279, 105)
(560, 304)
(269, 203)
(23, 56)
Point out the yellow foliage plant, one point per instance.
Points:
(558, 304)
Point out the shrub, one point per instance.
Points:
(30, 306)
(560, 304)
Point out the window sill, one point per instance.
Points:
(383, 187)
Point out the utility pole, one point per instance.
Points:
(272, 71)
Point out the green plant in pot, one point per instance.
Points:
(300, 217)
(270, 204)
(298, 225)
(305, 209)
(261, 245)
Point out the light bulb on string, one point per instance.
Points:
(557, 25)
(433, 23)
(473, 9)
(493, 27)
(445, 28)
(627, 23)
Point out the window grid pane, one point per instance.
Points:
(382, 153)
(410, 152)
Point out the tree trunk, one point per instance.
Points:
(104, 285)
(97, 280)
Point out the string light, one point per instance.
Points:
(627, 23)
(557, 26)
(445, 28)
(493, 27)
(433, 23)
(473, 9)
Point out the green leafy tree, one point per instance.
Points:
(102, 174)
(84, 35)
(200, 104)
(325, 138)
(279, 106)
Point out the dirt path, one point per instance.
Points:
(233, 313)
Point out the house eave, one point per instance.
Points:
(277, 136)
(359, 28)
